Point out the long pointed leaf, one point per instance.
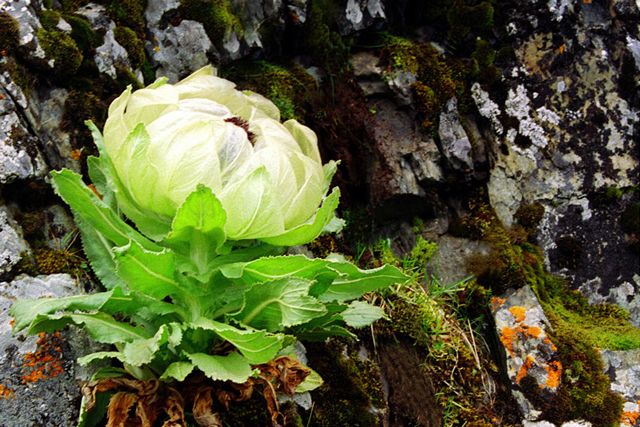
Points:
(354, 282)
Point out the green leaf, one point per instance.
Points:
(257, 346)
(151, 273)
(324, 332)
(100, 326)
(94, 417)
(279, 304)
(178, 371)
(98, 250)
(100, 355)
(94, 211)
(141, 351)
(307, 232)
(273, 268)
(353, 282)
(139, 306)
(197, 231)
(232, 367)
(360, 314)
(312, 382)
(25, 312)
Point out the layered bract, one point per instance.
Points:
(165, 140)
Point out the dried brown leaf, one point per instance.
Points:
(119, 406)
(203, 409)
(174, 407)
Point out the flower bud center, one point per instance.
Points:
(244, 125)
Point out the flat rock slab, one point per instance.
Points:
(38, 374)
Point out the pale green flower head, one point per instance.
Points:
(165, 140)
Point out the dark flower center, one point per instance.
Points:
(244, 125)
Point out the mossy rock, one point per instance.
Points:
(129, 13)
(85, 37)
(322, 40)
(62, 49)
(216, 16)
(529, 216)
(132, 44)
(9, 31)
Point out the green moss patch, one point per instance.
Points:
(60, 47)
(132, 44)
(9, 31)
(217, 17)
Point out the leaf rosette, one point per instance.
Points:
(214, 186)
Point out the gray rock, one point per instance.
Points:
(454, 253)
(361, 14)
(23, 12)
(623, 367)
(156, 9)
(20, 157)
(634, 47)
(180, 50)
(297, 11)
(453, 138)
(401, 84)
(12, 244)
(110, 55)
(365, 64)
(407, 157)
(521, 325)
(53, 400)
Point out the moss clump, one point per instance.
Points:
(322, 40)
(132, 44)
(341, 401)
(216, 16)
(52, 261)
(482, 63)
(9, 31)
(465, 20)
(129, 13)
(437, 80)
(529, 216)
(85, 37)
(62, 49)
(49, 18)
(286, 88)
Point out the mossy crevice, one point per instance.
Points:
(217, 17)
(62, 49)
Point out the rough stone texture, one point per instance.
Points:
(180, 50)
(623, 367)
(522, 325)
(20, 157)
(567, 132)
(12, 244)
(360, 14)
(453, 139)
(22, 12)
(50, 401)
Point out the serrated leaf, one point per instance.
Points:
(360, 314)
(257, 346)
(273, 268)
(232, 367)
(323, 332)
(98, 250)
(101, 178)
(100, 326)
(150, 273)
(178, 371)
(197, 230)
(276, 305)
(354, 282)
(307, 232)
(94, 211)
(141, 351)
(25, 311)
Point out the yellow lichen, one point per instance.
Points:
(518, 312)
(554, 374)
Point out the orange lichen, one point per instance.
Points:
(46, 361)
(562, 49)
(76, 154)
(518, 312)
(631, 418)
(12, 322)
(497, 302)
(554, 374)
(507, 336)
(6, 392)
(524, 369)
(534, 331)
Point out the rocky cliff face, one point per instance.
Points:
(504, 133)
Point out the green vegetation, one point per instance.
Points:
(9, 31)
(129, 13)
(287, 88)
(85, 37)
(321, 39)
(60, 47)
(579, 328)
(216, 16)
(49, 18)
(529, 216)
(132, 44)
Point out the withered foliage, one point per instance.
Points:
(153, 403)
